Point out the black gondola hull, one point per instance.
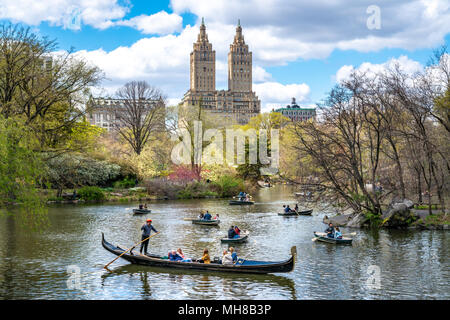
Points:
(248, 266)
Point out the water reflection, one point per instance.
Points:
(191, 284)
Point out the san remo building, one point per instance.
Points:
(237, 104)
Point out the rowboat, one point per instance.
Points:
(206, 222)
(242, 238)
(141, 211)
(239, 202)
(295, 213)
(241, 266)
(322, 236)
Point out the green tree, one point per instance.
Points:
(45, 89)
(21, 171)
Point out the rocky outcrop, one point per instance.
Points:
(399, 214)
(353, 220)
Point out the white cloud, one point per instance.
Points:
(260, 75)
(158, 23)
(161, 61)
(66, 13)
(283, 31)
(370, 69)
(276, 95)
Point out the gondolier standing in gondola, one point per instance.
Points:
(146, 230)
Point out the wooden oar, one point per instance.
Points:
(131, 248)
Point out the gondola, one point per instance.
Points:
(322, 236)
(242, 238)
(294, 213)
(241, 266)
(239, 202)
(206, 222)
(141, 211)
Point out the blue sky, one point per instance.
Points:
(300, 48)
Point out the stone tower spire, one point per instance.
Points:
(203, 63)
(239, 64)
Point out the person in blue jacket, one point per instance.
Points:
(231, 233)
(146, 231)
(233, 254)
(207, 216)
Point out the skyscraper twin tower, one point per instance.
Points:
(237, 104)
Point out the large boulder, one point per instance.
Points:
(353, 220)
(358, 221)
(398, 214)
(339, 220)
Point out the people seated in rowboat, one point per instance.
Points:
(330, 230)
(207, 216)
(201, 216)
(296, 207)
(287, 209)
(337, 233)
(141, 206)
(216, 217)
(145, 206)
(241, 195)
(232, 233)
(227, 258)
(233, 254)
(205, 258)
(237, 231)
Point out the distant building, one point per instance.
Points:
(105, 112)
(237, 104)
(297, 113)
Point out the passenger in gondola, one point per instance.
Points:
(241, 195)
(174, 256)
(207, 215)
(286, 208)
(205, 258)
(233, 254)
(337, 233)
(216, 217)
(296, 207)
(330, 230)
(247, 197)
(181, 254)
(227, 258)
(231, 233)
(201, 216)
(141, 206)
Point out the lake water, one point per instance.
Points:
(379, 265)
